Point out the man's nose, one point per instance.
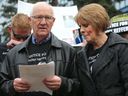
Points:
(43, 21)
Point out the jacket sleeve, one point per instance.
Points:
(6, 78)
(123, 65)
(70, 83)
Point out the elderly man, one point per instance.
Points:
(50, 48)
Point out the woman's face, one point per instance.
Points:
(88, 32)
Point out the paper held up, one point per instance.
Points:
(34, 74)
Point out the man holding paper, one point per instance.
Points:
(41, 46)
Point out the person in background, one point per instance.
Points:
(50, 48)
(103, 63)
(19, 31)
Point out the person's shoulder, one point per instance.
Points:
(17, 48)
(65, 44)
(117, 42)
(116, 39)
(60, 43)
(3, 46)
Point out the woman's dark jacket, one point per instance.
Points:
(109, 75)
(60, 52)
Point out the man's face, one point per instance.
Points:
(42, 21)
(20, 34)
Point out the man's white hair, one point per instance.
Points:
(38, 4)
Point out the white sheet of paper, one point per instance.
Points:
(34, 74)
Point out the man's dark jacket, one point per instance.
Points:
(109, 75)
(60, 52)
(3, 51)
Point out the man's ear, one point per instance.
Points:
(30, 21)
(54, 19)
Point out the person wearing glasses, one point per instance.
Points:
(103, 63)
(19, 31)
(42, 46)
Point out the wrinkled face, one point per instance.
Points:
(42, 21)
(87, 31)
(20, 34)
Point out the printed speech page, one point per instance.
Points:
(34, 74)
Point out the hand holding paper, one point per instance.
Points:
(21, 85)
(53, 82)
(35, 74)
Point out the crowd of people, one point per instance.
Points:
(100, 68)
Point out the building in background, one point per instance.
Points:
(122, 6)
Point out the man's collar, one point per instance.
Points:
(34, 41)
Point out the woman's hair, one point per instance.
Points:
(95, 15)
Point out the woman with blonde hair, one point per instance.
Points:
(103, 63)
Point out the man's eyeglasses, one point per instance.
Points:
(47, 18)
(20, 37)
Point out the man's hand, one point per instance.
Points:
(53, 82)
(12, 43)
(21, 85)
